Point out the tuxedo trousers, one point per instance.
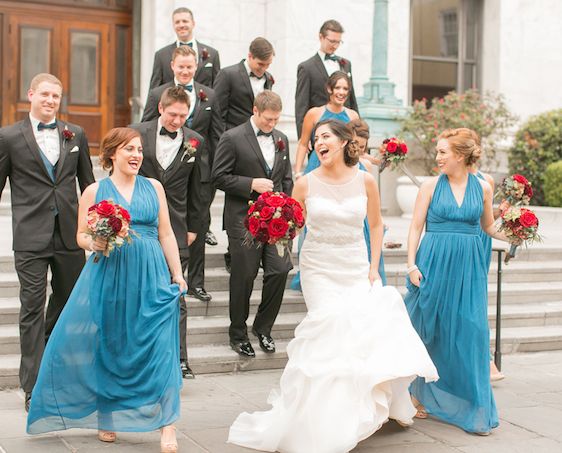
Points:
(196, 269)
(35, 325)
(184, 258)
(245, 265)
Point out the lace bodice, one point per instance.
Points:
(335, 212)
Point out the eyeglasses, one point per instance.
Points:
(334, 42)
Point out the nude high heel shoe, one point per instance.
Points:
(168, 445)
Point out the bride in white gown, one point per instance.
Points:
(355, 353)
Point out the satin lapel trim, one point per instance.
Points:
(253, 141)
(278, 154)
(177, 162)
(320, 66)
(150, 151)
(63, 144)
(246, 79)
(199, 105)
(33, 146)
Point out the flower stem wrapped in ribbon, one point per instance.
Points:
(110, 221)
(520, 225)
(274, 218)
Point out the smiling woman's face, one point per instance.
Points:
(328, 145)
(128, 157)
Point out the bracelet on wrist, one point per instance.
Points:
(412, 268)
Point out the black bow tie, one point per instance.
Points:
(42, 126)
(190, 44)
(265, 134)
(172, 135)
(257, 77)
(186, 87)
(331, 57)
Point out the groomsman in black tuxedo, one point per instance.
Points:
(204, 117)
(313, 73)
(208, 61)
(236, 86)
(172, 155)
(43, 156)
(253, 158)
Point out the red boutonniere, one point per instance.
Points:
(271, 79)
(280, 145)
(204, 54)
(190, 148)
(67, 134)
(343, 62)
(203, 96)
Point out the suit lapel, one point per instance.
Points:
(63, 144)
(199, 104)
(278, 154)
(246, 79)
(320, 66)
(178, 162)
(253, 141)
(150, 148)
(27, 133)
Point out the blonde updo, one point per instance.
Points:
(464, 142)
(339, 129)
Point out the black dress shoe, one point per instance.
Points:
(200, 293)
(227, 259)
(244, 349)
(266, 342)
(27, 401)
(210, 238)
(186, 372)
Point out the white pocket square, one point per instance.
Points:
(207, 108)
(75, 149)
(284, 157)
(209, 65)
(191, 160)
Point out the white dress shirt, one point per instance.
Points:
(166, 147)
(258, 85)
(330, 65)
(47, 140)
(267, 145)
(190, 94)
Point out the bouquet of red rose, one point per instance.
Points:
(516, 190)
(274, 218)
(110, 221)
(393, 151)
(520, 225)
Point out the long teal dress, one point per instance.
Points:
(112, 361)
(313, 163)
(449, 310)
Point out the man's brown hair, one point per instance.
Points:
(261, 49)
(172, 95)
(331, 25)
(183, 9)
(183, 51)
(44, 77)
(268, 100)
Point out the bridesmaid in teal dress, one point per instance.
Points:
(338, 87)
(447, 295)
(111, 363)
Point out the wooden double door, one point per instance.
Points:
(88, 49)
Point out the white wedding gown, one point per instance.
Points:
(354, 354)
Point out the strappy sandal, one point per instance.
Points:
(168, 447)
(107, 436)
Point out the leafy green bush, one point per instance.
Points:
(553, 184)
(487, 114)
(538, 143)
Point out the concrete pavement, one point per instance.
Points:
(529, 402)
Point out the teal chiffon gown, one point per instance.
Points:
(112, 361)
(313, 163)
(450, 310)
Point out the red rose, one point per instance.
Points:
(287, 212)
(253, 225)
(124, 213)
(105, 209)
(391, 147)
(259, 205)
(266, 213)
(403, 148)
(275, 201)
(203, 96)
(204, 54)
(528, 218)
(194, 142)
(298, 215)
(92, 208)
(521, 179)
(115, 224)
(265, 195)
(280, 145)
(278, 228)
(67, 134)
(271, 79)
(529, 191)
(342, 62)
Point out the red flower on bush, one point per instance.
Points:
(105, 209)
(278, 228)
(528, 218)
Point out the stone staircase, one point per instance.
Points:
(531, 308)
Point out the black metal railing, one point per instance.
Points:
(498, 349)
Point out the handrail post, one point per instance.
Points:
(498, 351)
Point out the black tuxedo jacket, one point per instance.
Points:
(235, 95)
(205, 120)
(207, 68)
(181, 181)
(36, 198)
(238, 161)
(311, 87)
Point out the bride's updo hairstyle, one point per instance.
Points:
(340, 130)
(115, 138)
(464, 142)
